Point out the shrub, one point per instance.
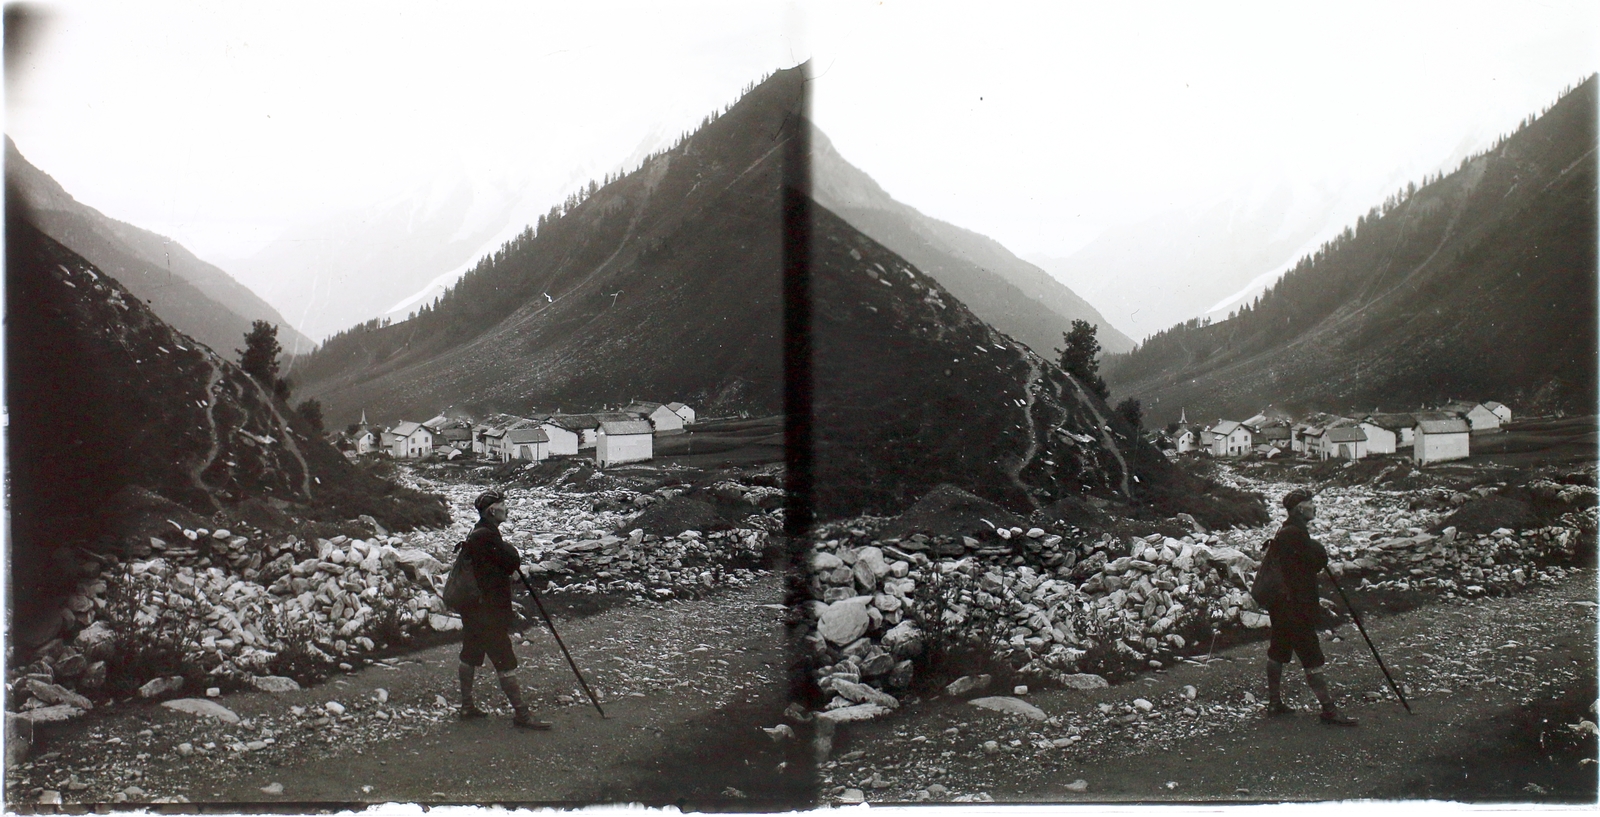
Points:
(149, 640)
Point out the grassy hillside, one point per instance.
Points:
(1480, 283)
(662, 284)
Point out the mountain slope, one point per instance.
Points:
(664, 284)
(110, 405)
(1480, 284)
(1013, 295)
(911, 389)
(196, 297)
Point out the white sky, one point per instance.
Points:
(219, 123)
(1041, 125)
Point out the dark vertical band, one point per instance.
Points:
(797, 311)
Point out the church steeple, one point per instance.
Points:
(1183, 416)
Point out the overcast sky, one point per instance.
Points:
(219, 123)
(1043, 124)
(1039, 124)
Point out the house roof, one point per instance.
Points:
(1392, 422)
(1225, 427)
(613, 428)
(406, 429)
(1454, 425)
(1346, 434)
(642, 407)
(1460, 406)
(675, 405)
(524, 436)
(456, 433)
(574, 422)
(1492, 405)
(616, 416)
(1424, 416)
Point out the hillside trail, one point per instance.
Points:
(198, 471)
(1498, 687)
(1030, 390)
(686, 687)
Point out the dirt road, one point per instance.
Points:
(1494, 685)
(686, 685)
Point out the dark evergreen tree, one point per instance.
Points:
(1131, 411)
(1080, 357)
(259, 357)
(311, 411)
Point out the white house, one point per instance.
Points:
(1380, 440)
(620, 441)
(1344, 442)
(1402, 426)
(409, 441)
(526, 444)
(563, 440)
(586, 426)
(662, 419)
(1478, 416)
(1441, 440)
(1185, 440)
(1500, 410)
(686, 413)
(1226, 439)
(366, 440)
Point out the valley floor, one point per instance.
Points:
(685, 686)
(1499, 690)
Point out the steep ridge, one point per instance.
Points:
(115, 415)
(1013, 295)
(663, 284)
(192, 295)
(911, 389)
(1479, 284)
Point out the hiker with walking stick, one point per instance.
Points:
(1294, 607)
(486, 622)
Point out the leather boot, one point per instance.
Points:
(469, 709)
(523, 718)
(1330, 713)
(1275, 704)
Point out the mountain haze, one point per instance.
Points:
(340, 270)
(192, 295)
(1013, 295)
(664, 284)
(1479, 284)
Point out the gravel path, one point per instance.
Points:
(1497, 686)
(664, 673)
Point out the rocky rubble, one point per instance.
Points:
(1055, 604)
(240, 608)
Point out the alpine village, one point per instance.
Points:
(1000, 551)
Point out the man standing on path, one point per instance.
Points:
(1294, 618)
(486, 625)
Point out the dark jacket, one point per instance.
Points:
(1301, 559)
(493, 563)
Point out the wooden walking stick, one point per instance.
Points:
(552, 625)
(1356, 617)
